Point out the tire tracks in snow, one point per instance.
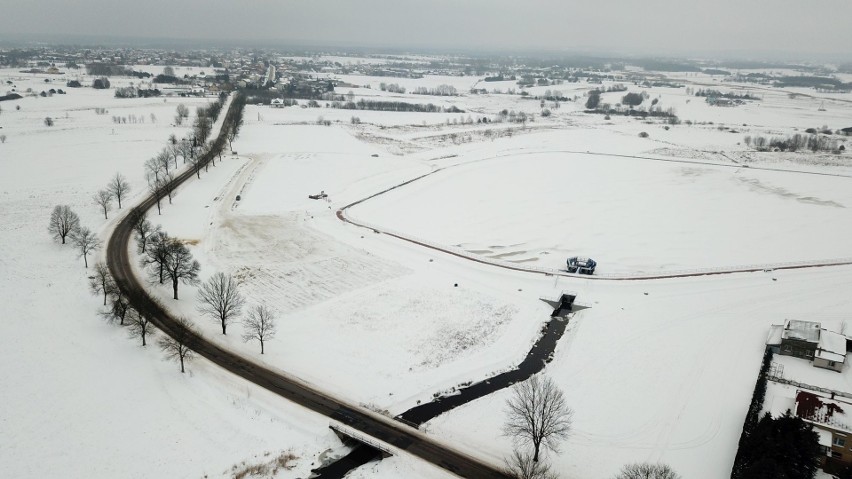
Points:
(342, 215)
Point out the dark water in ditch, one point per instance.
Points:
(540, 354)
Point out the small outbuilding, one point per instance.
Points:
(831, 351)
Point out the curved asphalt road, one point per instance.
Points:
(379, 427)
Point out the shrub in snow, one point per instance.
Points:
(644, 134)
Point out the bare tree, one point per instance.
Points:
(169, 71)
(168, 185)
(101, 282)
(180, 266)
(119, 187)
(521, 465)
(232, 135)
(154, 174)
(156, 255)
(220, 299)
(173, 148)
(538, 414)
(2, 138)
(143, 229)
(117, 308)
(164, 160)
(202, 128)
(177, 346)
(139, 325)
(259, 325)
(157, 188)
(103, 198)
(63, 222)
(195, 161)
(182, 113)
(86, 242)
(187, 150)
(647, 471)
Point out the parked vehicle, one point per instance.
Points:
(581, 265)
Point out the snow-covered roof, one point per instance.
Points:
(775, 332)
(832, 346)
(801, 330)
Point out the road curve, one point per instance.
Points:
(393, 433)
(458, 252)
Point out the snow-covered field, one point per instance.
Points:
(632, 215)
(81, 399)
(654, 370)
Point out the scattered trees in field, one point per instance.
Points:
(177, 347)
(139, 325)
(48, 121)
(63, 222)
(182, 113)
(378, 105)
(392, 88)
(119, 187)
(538, 415)
(220, 299)
(594, 99)
(86, 242)
(101, 282)
(101, 83)
(103, 198)
(646, 470)
(440, 90)
(634, 99)
(521, 465)
(797, 142)
(260, 325)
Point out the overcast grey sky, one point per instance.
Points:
(646, 27)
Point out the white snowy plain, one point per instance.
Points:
(655, 370)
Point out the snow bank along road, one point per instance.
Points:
(393, 433)
(461, 253)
